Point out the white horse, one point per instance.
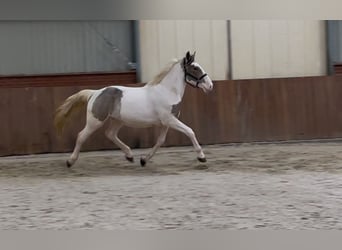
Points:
(155, 104)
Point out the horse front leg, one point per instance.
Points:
(176, 124)
(160, 141)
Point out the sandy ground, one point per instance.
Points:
(275, 186)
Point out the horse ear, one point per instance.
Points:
(187, 57)
(192, 57)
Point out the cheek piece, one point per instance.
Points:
(198, 80)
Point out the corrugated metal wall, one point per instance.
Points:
(266, 49)
(161, 41)
(258, 49)
(43, 47)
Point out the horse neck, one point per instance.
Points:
(174, 80)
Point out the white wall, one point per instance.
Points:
(266, 49)
(163, 40)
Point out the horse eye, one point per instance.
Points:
(196, 68)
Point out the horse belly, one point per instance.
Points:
(138, 112)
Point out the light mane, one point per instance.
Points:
(158, 78)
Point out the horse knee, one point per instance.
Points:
(81, 137)
(190, 133)
(162, 140)
(111, 133)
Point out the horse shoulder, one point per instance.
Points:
(165, 97)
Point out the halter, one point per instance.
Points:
(197, 79)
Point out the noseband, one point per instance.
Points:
(195, 78)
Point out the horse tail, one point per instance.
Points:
(70, 105)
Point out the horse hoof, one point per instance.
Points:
(202, 159)
(68, 164)
(130, 159)
(142, 162)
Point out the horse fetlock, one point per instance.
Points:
(199, 150)
(130, 158)
(69, 163)
(143, 161)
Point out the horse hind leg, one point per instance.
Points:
(160, 141)
(112, 134)
(91, 126)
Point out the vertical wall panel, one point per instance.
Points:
(203, 44)
(296, 46)
(167, 41)
(242, 44)
(262, 41)
(162, 41)
(266, 49)
(279, 49)
(315, 57)
(185, 37)
(219, 50)
(149, 49)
